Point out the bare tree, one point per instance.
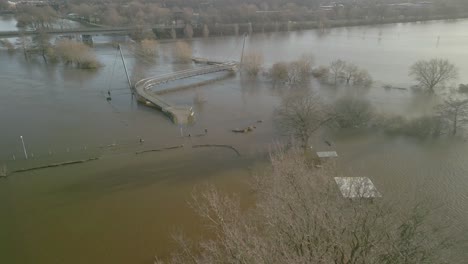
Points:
(112, 17)
(173, 33)
(206, 31)
(350, 72)
(352, 112)
(148, 48)
(7, 44)
(362, 78)
(455, 112)
(322, 73)
(182, 51)
(433, 73)
(300, 116)
(4, 5)
(37, 17)
(25, 43)
(279, 72)
(42, 44)
(337, 68)
(252, 63)
(77, 54)
(300, 70)
(299, 217)
(188, 31)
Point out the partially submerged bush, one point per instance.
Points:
(353, 112)
(77, 54)
(182, 51)
(148, 47)
(341, 71)
(322, 73)
(252, 63)
(363, 79)
(419, 127)
(279, 72)
(7, 44)
(301, 69)
(296, 72)
(463, 88)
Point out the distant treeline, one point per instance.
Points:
(266, 13)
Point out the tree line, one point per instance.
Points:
(263, 14)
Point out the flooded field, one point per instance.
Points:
(123, 207)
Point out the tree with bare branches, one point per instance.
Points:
(433, 73)
(455, 112)
(350, 72)
(301, 69)
(337, 69)
(252, 63)
(362, 78)
(353, 112)
(279, 72)
(182, 51)
(76, 54)
(300, 217)
(206, 31)
(188, 31)
(300, 116)
(148, 48)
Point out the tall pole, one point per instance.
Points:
(125, 67)
(242, 54)
(24, 148)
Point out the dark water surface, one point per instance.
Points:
(123, 207)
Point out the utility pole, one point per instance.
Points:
(24, 148)
(125, 67)
(242, 54)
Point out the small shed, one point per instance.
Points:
(327, 154)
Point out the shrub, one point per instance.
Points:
(252, 63)
(353, 112)
(279, 72)
(182, 51)
(77, 54)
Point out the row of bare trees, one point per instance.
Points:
(300, 217)
(300, 71)
(346, 72)
(259, 12)
(293, 73)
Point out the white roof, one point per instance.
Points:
(327, 154)
(357, 187)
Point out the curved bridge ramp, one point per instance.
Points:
(178, 114)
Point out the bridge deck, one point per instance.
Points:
(84, 31)
(179, 114)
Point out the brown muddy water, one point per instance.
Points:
(124, 207)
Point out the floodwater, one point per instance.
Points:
(123, 207)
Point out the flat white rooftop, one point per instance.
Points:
(357, 187)
(327, 154)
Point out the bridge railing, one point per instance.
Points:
(149, 82)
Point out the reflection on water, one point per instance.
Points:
(7, 23)
(128, 204)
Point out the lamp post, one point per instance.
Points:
(24, 148)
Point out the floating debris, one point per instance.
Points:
(217, 146)
(244, 130)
